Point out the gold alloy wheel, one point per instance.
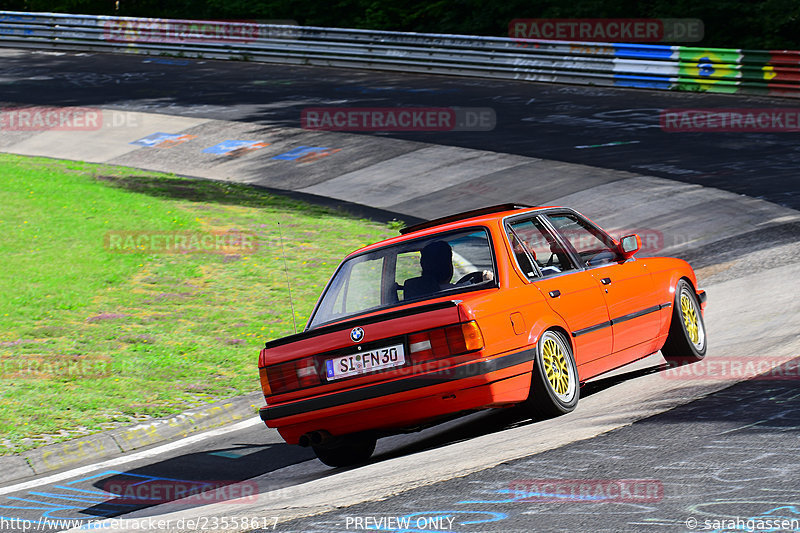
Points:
(556, 368)
(691, 320)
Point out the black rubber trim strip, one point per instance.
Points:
(590, 329)
(393, 387)
(623, 318)
(637, 314)
(702, 296)
(360, 322)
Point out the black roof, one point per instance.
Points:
(461, 216)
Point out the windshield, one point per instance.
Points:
(413, 270)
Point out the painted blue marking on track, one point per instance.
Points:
(53, 508)
(18, 507)
(79, 498)
(519, 496)
(226, 147)
(128, 474)
(67, 497)
(299, 152)
(98, 492)
(101, 474)
(157, 138)
(227, 455)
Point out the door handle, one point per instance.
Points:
(606, 281)
(555, 294)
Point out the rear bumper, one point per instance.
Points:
(407, 401)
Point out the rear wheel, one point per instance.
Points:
(686, 341)
(347, 450)
(554, 386)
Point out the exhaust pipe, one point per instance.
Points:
(318, 438)
(315, 438)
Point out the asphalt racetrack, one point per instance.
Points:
(646, 450)
(602, 127)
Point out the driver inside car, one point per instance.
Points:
(436, 261)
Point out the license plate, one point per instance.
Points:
(363, 362)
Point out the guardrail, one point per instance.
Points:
(719, 70)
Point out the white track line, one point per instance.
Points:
(129, 458)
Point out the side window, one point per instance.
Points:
(521, 252)
(472, 253)
(594, 247)
(407, 267)
(449, 261)
(542, 247)
(426, 267)
(363, 290)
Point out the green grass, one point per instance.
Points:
(92, 338)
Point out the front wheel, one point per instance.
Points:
(686, 341)
(555, 387)
(347, 450)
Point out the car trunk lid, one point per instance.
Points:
(292, 365)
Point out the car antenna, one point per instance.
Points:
(286, 270)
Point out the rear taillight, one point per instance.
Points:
(262, 373)
(473, 338)
(444, 342)
(307, 373)
(289, 376)
(428, 345)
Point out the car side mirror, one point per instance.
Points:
(629, 245)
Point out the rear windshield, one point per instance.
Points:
(414, 270)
